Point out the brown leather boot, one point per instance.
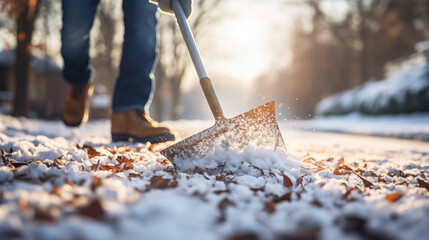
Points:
(137, 126)
(76, 105)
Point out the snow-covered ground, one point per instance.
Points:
(408, 126)
(61, 183)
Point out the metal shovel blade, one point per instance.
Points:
(256, 128)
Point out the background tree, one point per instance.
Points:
(174, 59)
(25, 12)
(346, 48)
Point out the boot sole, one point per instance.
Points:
(152, 139)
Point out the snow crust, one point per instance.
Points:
(60, 190)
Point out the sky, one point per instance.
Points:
(251, 38)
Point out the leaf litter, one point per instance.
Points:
(256, 194)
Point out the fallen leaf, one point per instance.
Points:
(122, 159)
(93, 210)
(96, 182)
(245, 236)
(110, 168)
(284, 197)
(112, 151)
(349, 191)
(56, 191)
(58, 161)
(343, 169)
(198, 170)
(5, 157)
(393, 197)
(44, 216)
(128, 165)
(94, 167)
(367, 183)
(224, 204)
(221, 191)
(262, 189)
(164, 162)
(286, 181)
(313, 161)
(160, 183)
(423, 183)
(92, 153)
(305, 233)
(270, 207)
(299, 180)
(134, 175)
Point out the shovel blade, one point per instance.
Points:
(256, 128)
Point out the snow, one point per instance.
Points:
(405, 91)
(39, 61)
(57, 184)
(408, 126)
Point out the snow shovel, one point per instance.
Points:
(256, 128)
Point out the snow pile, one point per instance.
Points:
(404, 92)
(75, 184)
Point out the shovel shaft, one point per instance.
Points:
(198, 62)
(210, 94)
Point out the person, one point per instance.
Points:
(130, 119)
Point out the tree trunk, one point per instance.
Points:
(25, 26)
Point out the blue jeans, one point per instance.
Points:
(134, 84)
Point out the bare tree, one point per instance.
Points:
(25, 12)
(174, 59)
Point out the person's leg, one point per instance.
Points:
(133, 89)
(78, 18)
(134, 84)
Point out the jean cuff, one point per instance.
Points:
(130, 107)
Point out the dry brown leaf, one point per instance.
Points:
(112, 151)
(224, 204)
(96, 182)
(423, 183)
(343, 169)
(44, 216)
(93, 210)
(270, 207)
(164, 162)
(95, 167)
(128, 165)
(5, 157)
(198, 170)
(122, 159)
(92, 153)
(134, 175)
(246, 236)
(111, 168)
(284, 197)
(161, 183)
(58, 161)
(393, 197)
(299, 180)
(286, 181)
(56, 191)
